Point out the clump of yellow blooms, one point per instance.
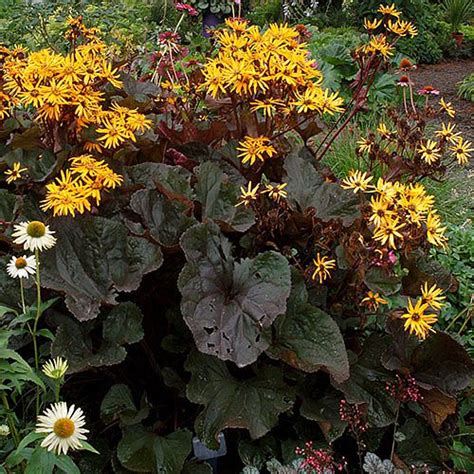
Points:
(270, 73)
(249, 195)
(67, 88)
(79, 186)
(272, 68)
(381, 29)
(398, 212)
(418, 319)
(252, 149)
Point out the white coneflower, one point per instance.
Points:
(55, 368)
(64, 428)
(21, 267)
(34, 235)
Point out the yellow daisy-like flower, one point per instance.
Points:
(429, 151)
(371, 25)
(383, 131)
(113, 133)
(381, 210)
(417, 321)
(447, 132)
(357, 180)
(323, 266)
(365, 145)
(462, 150)
(277, 191)
(248, 195)
(432, 296)
(389, 10)
(434, 231)
(252, 149)
(388, 231)
(447, 107)
(14, 172)
(379, 44)
(373, 301)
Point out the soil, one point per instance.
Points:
(445, 77)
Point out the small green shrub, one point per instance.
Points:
(422, 48)
(466, 88)
(457, 12)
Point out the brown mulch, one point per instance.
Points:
(445, 77)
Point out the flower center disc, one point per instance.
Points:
(64, 427)
(36, 229)
(20, 263)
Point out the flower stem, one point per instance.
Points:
(57, 388)
(22, 296)
(395, 424)
(11, 422)
(35, 325)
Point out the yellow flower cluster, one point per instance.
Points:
(252, 149)
(382, 28)
(67, 89)
(417, 320)
(398, 212)
(80, 185)
(248, 195)
(272, 69)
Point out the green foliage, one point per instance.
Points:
(466, 88)
(422, 49)
(459, 259)
(222, 7)
(40, 24)
(457, 12)
(183, 311)
(264, 12)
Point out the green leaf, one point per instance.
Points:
(8, 203)
(229, 305)
(380, 280)
(196, 467)
(418, 447)
(142, 451)
(93, 259)
(165, 219)
(85, 446)
(307, 189)
(41, 462)
(253, 404)
(66, 464)
(76, 343)
(219, 192)
(5, 310)
(17, 456)
(170, 179)
(307, 338)
(124, 324)
(118, 404)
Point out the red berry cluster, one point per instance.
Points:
(318, 460)
(353, 415)
(404, 389)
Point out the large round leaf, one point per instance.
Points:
(253, 404)
(93, 259)
(228, 304)
(308, 338)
